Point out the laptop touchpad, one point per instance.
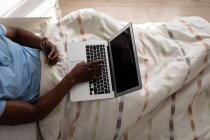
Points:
(76, 53)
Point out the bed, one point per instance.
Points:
(174, 102)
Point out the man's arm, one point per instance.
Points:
(29, 39)
(17, 112)
(23, 37)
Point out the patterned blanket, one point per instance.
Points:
(174, 102)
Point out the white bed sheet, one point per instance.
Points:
(21, 132)
(174, 60)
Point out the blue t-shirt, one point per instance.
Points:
(20, 71)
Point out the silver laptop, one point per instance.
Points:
(120, 71)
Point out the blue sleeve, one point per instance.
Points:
(2, 106)
(3, 30)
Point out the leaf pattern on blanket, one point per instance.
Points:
(207, 93)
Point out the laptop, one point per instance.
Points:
(120, 70)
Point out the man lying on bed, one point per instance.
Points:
(20, 77)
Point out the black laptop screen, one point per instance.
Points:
(125, 70)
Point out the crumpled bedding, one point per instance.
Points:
(174, 102)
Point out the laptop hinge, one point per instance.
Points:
(111, 69)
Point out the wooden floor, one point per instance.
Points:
(141, 11)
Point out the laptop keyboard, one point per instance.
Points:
(101, 86)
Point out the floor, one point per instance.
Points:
(141, 11)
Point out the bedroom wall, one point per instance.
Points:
(140, 11)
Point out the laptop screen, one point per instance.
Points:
(126, 71)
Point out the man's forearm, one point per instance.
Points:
(49, 101)
(27, 38)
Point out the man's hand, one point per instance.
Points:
(27, 38)
(83, 71)
(50, 51)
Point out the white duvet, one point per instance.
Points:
(174, 102)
